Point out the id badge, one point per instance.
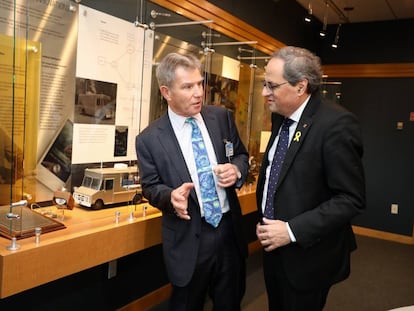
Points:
(229, 149)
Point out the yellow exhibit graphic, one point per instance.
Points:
(20, 64)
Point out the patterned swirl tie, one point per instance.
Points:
(209, 197)
(282, 146)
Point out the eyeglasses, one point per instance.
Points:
(272, 86)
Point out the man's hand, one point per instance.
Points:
(179, 200)
(227, 174)
(272, 234)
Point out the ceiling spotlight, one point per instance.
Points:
(335, 43)
(308, 17)
(322, 33)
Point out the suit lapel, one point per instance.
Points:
(299, 136)
(214, 129)
(170, 146)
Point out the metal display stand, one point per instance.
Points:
(23, 223)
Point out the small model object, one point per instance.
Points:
(109, 185)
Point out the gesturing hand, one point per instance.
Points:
(179, 200)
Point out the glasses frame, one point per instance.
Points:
(272, 86)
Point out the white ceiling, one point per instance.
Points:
(356, 11)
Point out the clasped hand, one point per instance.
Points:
(272, 234)
(226, 174)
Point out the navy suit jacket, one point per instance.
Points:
(162, 168)
(321, 188)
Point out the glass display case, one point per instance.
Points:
(233, 75)
(68, 81)
(27, 30)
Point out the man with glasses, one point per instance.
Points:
(311, 184)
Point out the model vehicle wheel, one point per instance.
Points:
(137, 198)
(99, 204)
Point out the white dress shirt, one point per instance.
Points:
(182, 131)
(295, 116)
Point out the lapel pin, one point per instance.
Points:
(297, 136)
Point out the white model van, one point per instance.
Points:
(104, 186)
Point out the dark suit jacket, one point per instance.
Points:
(162, 168)
(321, 187)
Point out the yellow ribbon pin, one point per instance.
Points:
(297, 136)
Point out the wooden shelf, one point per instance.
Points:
(90, 238)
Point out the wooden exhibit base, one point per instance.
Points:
(90, 238)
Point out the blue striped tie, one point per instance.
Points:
(209, 197)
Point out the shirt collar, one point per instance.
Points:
(295, 116)
(178, 121)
